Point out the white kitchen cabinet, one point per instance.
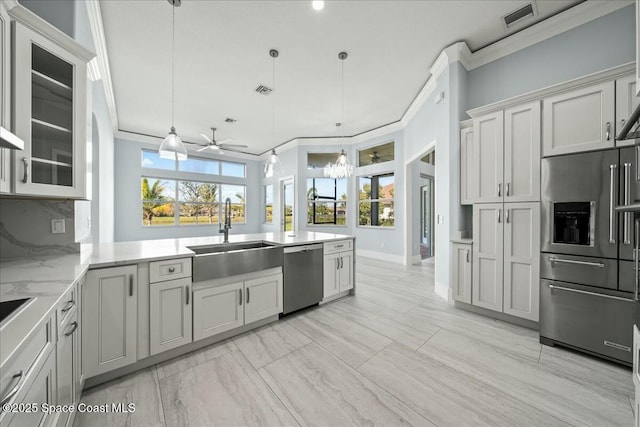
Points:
(263, 297)
(5, 97)
(488, 141)
(506, 258)
(67, 358)
(522, 260)
(506, 155)
(467, 168)
(522, 153)
(217, 309)
(337, 272)
(109, 319)
(626, 102)
(170, 314)
(488, 243)
(78, 337)
(50, 114)
(579, 120)
(41, 390)
(461, 277)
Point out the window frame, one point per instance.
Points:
(266, 204)
(327, 200)
(377, 200)
(372, 147)
(176, 177)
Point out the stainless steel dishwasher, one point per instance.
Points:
(303, 284)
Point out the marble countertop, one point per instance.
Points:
(47, 279)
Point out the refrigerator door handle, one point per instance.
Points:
(626, 222)
(612, 203)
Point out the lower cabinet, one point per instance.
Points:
(506, 258)
(338, 273)
(461, 277)
(170, 314)
(40, 392)
(109, 319)
(67, 375)
(217, 309)
(636, 374)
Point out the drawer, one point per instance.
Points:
(599, 272)
(16, 370)
(169, 269)
(339, 246)
(67, 306)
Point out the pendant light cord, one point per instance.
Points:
(342, 95)
(273, 112)
(173, 65)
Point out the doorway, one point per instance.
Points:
(427, 201)
(288, 202)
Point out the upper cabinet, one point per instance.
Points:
(506, 151)
(626, 102)
(467, 172)
(579, 120)
(5, 97)
(50, 115)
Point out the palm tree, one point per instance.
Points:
(153, 198)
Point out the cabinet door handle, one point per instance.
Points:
(608, 131)
(18, 378)
(240, 296)
(337, 264)
(499, 189)
(68, 307)
(74, 326)
(248, 295)
(187, 294)
(339, 246)
(131, 285)
(172, 269)
(506, 215)
(468, 257)
(499, 216)
(25, 175)
(508, 189)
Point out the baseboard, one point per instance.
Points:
(500, 316)
(335, 297)
(416, 259)
(398, 259)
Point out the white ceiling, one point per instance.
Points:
(222, 56)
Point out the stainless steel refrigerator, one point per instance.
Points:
(589, 286)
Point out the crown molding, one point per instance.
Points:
(102, 57)
(39, 25)
(571, 18)
(583, 81)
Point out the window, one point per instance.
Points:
(175, 198)
(268, 204)
(378, 154)
(151, 160)
(375, 204)
(326, 201)
(429, 158)
(319, 160)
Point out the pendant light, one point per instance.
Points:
(342, 168)
(172, 146)
(273, 164)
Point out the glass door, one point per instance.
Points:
(426, 219)
(287, 191)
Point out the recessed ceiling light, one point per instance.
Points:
(317, 4)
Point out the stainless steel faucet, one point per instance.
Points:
(227, 220)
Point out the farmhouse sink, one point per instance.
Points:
(230, 259)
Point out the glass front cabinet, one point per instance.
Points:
(51, 115)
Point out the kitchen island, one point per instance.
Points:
(129, 305)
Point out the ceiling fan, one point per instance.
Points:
(218, 145)
(374, 157)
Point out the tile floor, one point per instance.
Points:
(395, 354)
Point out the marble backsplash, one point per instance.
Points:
(25, 228)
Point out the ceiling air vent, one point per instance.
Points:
(264, 90)
(517, 16)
